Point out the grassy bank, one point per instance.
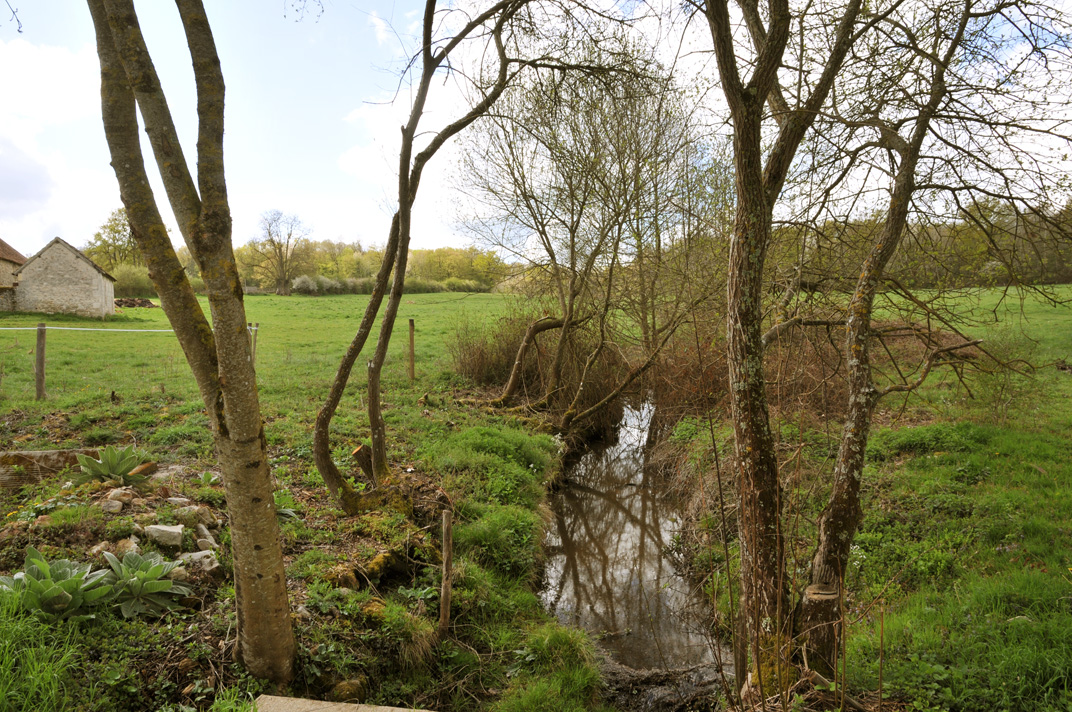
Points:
(959, 585)
(365, 589)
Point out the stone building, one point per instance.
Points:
(10, 260)
(60, 279)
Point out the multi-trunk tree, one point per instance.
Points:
(907, 109)
(218, 354)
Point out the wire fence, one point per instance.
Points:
(89, 361)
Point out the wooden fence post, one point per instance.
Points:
(412, 371)
(251, 330)
(39, 365)
(448, 565)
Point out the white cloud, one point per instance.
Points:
(383, 31)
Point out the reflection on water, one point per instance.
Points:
(606, 570)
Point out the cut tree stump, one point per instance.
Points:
(28, 467)
(270, 703)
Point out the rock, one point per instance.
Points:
(194, 515)
(11, 531)
(179, 573)
(202, 531)
(206, 560)
(111, 506)
(207, 544)
(121, 494)
(99, 549)
(125, 546)
(44, 520)
(138, 502)
(178, 501)
(302, 613)
(145, 518)
(165, 535)
(374, 609)
(355, 689)
(341, 576)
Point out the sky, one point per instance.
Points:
(313, 111)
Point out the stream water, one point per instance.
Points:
(607, 570)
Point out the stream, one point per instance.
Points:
(607, 570)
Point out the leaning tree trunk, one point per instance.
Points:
(821, 623)
(220, 359)
(537, 327)
(337, 484)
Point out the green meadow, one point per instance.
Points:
(961, 575)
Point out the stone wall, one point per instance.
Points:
(7, 273)
(7, 299)
(58, 280)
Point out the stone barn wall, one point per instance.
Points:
(7, 273)
(59, 279)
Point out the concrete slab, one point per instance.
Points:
(270, 703)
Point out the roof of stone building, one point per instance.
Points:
(10, 254)
(76, 251)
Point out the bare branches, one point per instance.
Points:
(932, 359)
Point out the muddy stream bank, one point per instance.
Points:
(608, 572)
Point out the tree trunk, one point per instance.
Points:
(220, 359)
(820, 622)
(514, 381)
(339, 487)
(764, 589)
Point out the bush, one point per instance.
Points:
(456, 284)
(422, 286)
(305, 285)
(485, 353)
(326, 285)
(133, 281)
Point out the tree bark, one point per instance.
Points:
(759, 180)
(514, 381)
(820, 621)
(220, 359)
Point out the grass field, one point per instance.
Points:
(961, 580)
(380, 637)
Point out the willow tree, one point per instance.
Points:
(218, 355)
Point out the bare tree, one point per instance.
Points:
(906, 92)
(910, 117)
(580, 177)
(494, 25)
(219, 355)
(282, 252)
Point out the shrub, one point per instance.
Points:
(133, 281)
(456, 284)
(326, 285)
(305, 284)
(113, 465)
(485, 353)
(422, 286)
(139, 584)
(62, 590)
